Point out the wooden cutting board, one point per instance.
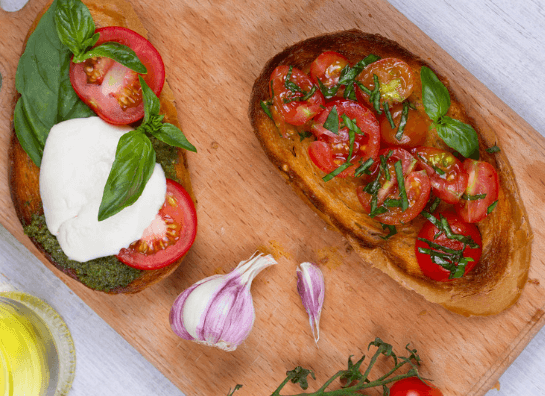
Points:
(213, 52)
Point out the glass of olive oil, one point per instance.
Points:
(37, 355)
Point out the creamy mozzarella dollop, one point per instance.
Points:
(76, 162)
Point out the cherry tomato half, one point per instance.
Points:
(287, 95)
(109, 88)
(447, 174)
(481, 192)
(327, 68)
(331, 150)
(396, 80)
(413, 386)
(430, 231)
(169, 236)
(415, 130)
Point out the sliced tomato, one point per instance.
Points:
(327, 68)
(414, 132)
(413, 386)
(169, 236)
(432, 233)
(109, 88)
(446, 172)
(288, 85)
(387, 175)
(396, 81)
(331, 150)
(482, 191)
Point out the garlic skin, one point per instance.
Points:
(219, 310)
(311, 288)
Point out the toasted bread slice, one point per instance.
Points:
(24, 174)
(498, 279)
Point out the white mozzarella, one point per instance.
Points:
(76, 162)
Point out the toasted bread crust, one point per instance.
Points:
(497, 281)
(24, 174)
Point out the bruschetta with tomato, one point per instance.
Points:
(99, 104)
(373, 140)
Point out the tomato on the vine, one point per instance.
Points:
(112, 90)
(331, 149)
(169, 236)
(447, 174)
(413, 386)
(414, 132)
(395, 78)
(440, 255)
(295, 97)
(326, 69)
(481, 192)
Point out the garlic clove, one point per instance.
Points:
(218, 311)
(311, 288)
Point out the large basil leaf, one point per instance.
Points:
(42, 79)
(459, 136)
(132, 168)
(435, 95)
(173, 136)
(75, 26)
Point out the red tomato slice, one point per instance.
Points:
(429, 232)
(293, 110)
(112, 90)
(387, 185)
(395, 78)
(446, 172)
(169, 236)
(327, 68)
(365, 146)
(481, 192)
(413, 386)
(415, 130)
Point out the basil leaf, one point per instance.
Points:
(328, 92)
(491, 207)
(491, 150)
(116, 51)
(42, 79)
(435, 95)
(468, 197)
(401, 185)
(364, 168)
(348, 74)
(265, 107)
(351, 125)
(303, 135)
(172, 135)
(75, 26)
(459, 136)
(332, 121)
(392, 230)
(132, 168)
(337, 171)
(386, 109)
(402, 121)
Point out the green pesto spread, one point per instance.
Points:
(105, 273)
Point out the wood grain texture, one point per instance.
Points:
(244, 205)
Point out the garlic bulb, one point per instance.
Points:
(311, 288)
(219, 310)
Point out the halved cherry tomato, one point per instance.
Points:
(112, 90)
(287, 95)
(388, 179)
(446, 172)
(481, 192)
(331, 150)
(430, 232)
(327, 68)
(169, 236)
(396, 81)
(413, 386)
(415, 130)
(417, 188)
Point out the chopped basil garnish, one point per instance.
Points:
(436, 99)
(328, 92)
(332, 121)
(468, 197)
(493, 149)
(303, 135)
(265, 107)
(444, 227)
(401, 185)
(403, 121)
(434, 204)
(290, 84)
(391, 228)
(450, 259)
(349, 74)
(491, 207)
(364, 168)
(336, 172)
(351, 125)
(386, 109)
(393, 203)
(437, 170)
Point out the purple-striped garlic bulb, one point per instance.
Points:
(311, 288)
(219, 310)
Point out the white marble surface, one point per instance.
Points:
(500, 42)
